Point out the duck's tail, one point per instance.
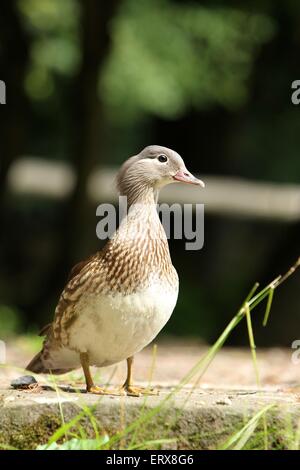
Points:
(37, 366)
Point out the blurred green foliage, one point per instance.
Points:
(169, 57)
(208, 78)
(55, 49)
(10, 321)
(165, 57)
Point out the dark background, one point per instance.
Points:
(91, 82)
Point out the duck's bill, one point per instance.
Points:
(187, 177)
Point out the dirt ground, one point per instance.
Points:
(231, 368)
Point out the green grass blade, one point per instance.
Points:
(63, 430)
(268, 307)
(150, 378)
(254, 359)
(252, 343)
(7, 447)
(252, 292)
(239, 439)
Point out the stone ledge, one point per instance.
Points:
(225, 401)
(203, 419)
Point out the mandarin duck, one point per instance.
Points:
(117, 301)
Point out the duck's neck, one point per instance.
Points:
(141, 227)
(142, 219)
(139, 249)
(142, 195)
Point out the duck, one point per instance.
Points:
(116, 302)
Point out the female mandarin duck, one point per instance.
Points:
(117, 301)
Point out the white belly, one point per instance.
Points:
(113, 328)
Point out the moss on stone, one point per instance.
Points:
(26, 424)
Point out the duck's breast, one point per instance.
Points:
(112, 327)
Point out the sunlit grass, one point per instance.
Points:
(240, 438)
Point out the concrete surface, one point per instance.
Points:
(201, 415)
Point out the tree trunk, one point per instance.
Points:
(86, 123)
(14, 55)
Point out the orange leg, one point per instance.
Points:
(129, 389)
(90, 386)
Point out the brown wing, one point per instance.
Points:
(80, 279)
(45, 330)
(74, 271)
(78, 267)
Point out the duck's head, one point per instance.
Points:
(153, 168)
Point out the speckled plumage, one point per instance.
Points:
(118, 300)
(125, 266)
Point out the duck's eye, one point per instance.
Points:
(162, 158)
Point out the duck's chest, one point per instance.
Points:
(132, 296)
(114, 327)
